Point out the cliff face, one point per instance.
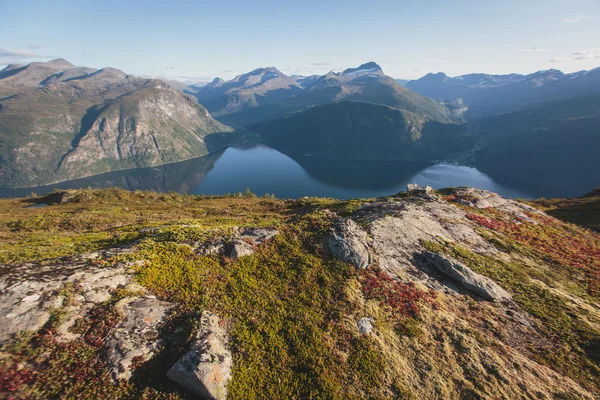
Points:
(71, 130)
(457, 293)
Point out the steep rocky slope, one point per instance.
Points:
(99, 122)
(451, 294)
(554, 143)
(357, 130)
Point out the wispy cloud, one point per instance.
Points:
(534, 49)
(16, 56)
(577, 18)
(17, 53)
(34, 46)
(228, 70)
(321, 64)
(587, 54)
(433, 60)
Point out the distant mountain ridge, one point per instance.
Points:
(487, 94)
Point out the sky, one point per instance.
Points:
(200, 40)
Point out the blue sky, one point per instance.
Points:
(204, 39)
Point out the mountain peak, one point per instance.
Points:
(59, 63)
(371, 67)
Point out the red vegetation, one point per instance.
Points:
(552, 240)
(402, 299)
(12, 378)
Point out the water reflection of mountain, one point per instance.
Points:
(181, 177)
(360, 174)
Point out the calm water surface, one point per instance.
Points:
(265, 170)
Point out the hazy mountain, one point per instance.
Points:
(357, 130)
(403, 82)
(555, 143)
(258, 87)
(364, 83)
(98, 122)
(486, 94)
(306, 81)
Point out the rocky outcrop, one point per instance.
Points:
(348, 243)
(412, 189)
(29, 293)
(469, 279)
(206, 369)
(136, 336)
(242, 243)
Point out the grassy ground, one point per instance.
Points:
(292, 310)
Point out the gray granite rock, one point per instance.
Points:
(469, 279)
(136, 336)
(348, 243)
(206, 369)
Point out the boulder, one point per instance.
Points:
(240, 248)
(206, 369)
(365, 325)
(348, 243)
(136, 336)
(469, 279)
(415, 190)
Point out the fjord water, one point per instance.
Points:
(265, 170)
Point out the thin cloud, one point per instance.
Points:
(17, 53)
(16, 56)
(321, 64)
(589, 54)
(577, 18)
(579, 55)
(34, 46)
(228, 70)
(534, 50)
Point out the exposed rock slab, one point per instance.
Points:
(206, 369)
(469, 279)
(136, 336)
(348, 243)
(28, 292)
(397, 229)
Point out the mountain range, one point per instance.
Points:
(60, 122)
(486, 94)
